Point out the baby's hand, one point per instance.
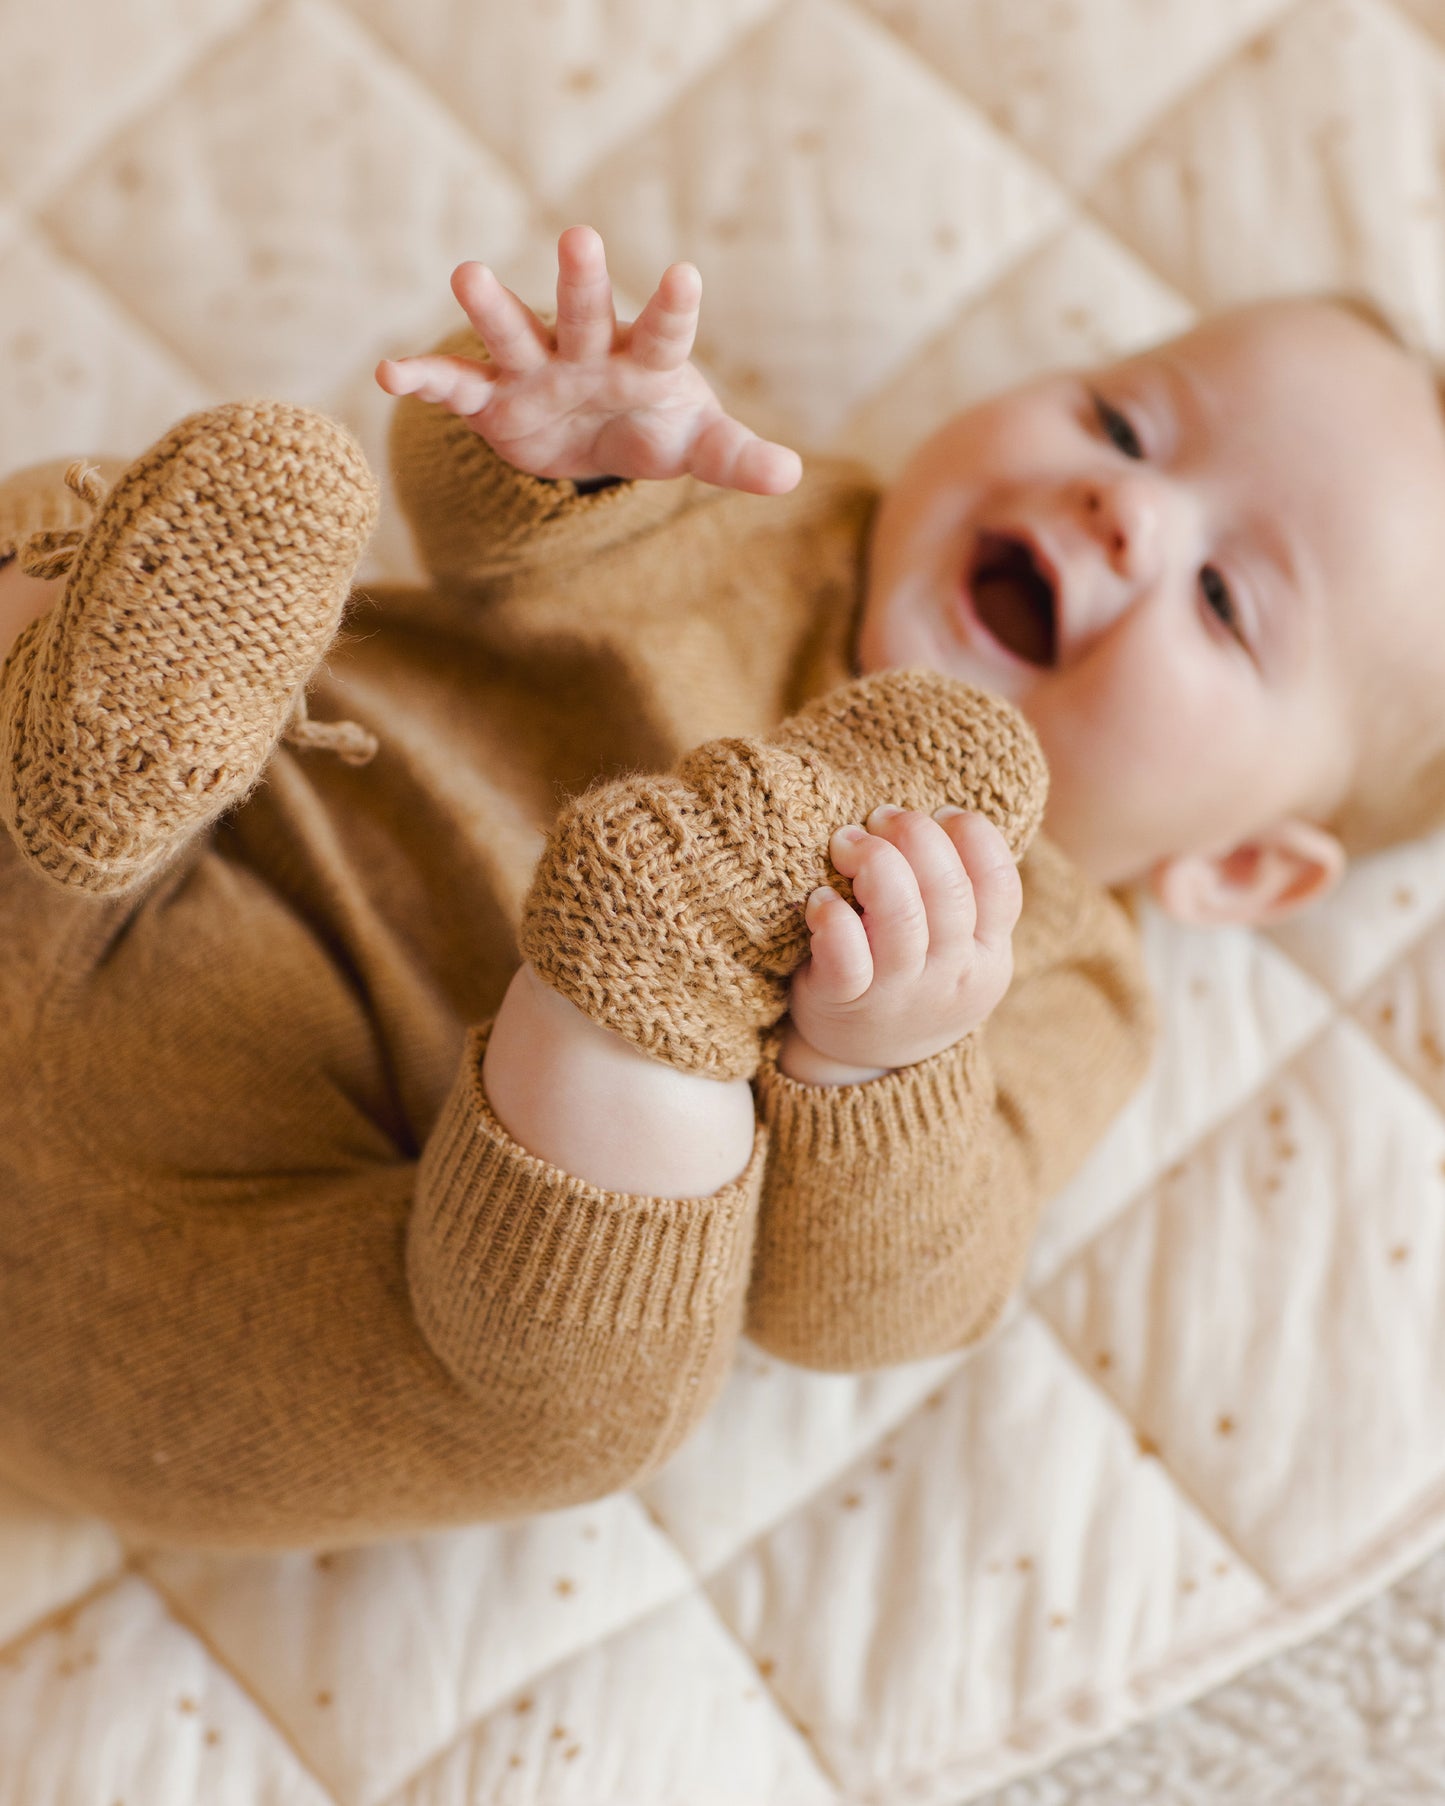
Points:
(593, 398)
(930, 958)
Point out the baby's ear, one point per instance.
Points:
(1268, 878)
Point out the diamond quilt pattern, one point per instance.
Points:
(1214, 1421)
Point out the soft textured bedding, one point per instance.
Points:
(1214, 1424)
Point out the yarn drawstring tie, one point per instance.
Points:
(50, 553)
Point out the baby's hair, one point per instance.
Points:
(1398, 791)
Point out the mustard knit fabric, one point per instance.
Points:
(197, 605)
(670, 909)
(272, 1274)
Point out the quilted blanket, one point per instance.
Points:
(1213, 1424)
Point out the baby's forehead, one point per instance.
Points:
(1290, 339)
(1304, 379)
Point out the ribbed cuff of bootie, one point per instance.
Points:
(670, 909)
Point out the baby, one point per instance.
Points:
(370, 1172)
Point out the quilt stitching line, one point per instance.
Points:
(704, 1596)
(1145, 128)
(184, 1622)
(699, 1594)
(1407, 949)
(1210, 1127)
(41, 215)
(1433, 1106)
(912, 356)
(1120, 230)
(1342, 1007)
(1340, 1016)
(55, 1617)
(176, 79)
(57, 246)
(543, 207)
(1185, 1491)
(1292, 1621)
(1021, 154)
(390, 56)
(1017, 1730)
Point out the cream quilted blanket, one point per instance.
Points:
(1215, 1423)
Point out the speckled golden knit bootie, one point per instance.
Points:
(670, 909)
(201, 597)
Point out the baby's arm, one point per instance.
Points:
(897, 1216)
(583, 401)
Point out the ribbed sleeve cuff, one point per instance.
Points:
(506, 1250)
(849, 1124)
(884, 1226)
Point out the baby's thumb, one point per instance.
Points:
(732, 456)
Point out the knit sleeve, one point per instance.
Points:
(237, 1310)
(897, 1215)
(474, 517)
(615, 1313)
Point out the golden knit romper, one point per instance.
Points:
(669, 909)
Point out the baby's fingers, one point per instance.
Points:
(586, 318)
(993, 872)
(516, 339)
(841, 968)
(729, 454)
(460, 384)
(662, 334)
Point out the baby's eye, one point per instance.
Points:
(1216, 595)
(1116, 426)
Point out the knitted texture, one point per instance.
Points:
(200, 600)
(273, 1274)
(670, 909)
(37, 499)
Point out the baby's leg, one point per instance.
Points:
(236, 1311)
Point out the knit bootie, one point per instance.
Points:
(201, 597)
(670, 909)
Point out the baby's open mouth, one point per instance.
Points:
(1013, 597)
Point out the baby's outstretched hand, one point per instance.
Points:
(931, 956)
(593, 398)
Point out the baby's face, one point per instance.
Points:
(1195, 572)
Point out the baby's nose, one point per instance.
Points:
(1122, 513)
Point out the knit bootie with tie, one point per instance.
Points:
(201, 595)
(670, 909)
